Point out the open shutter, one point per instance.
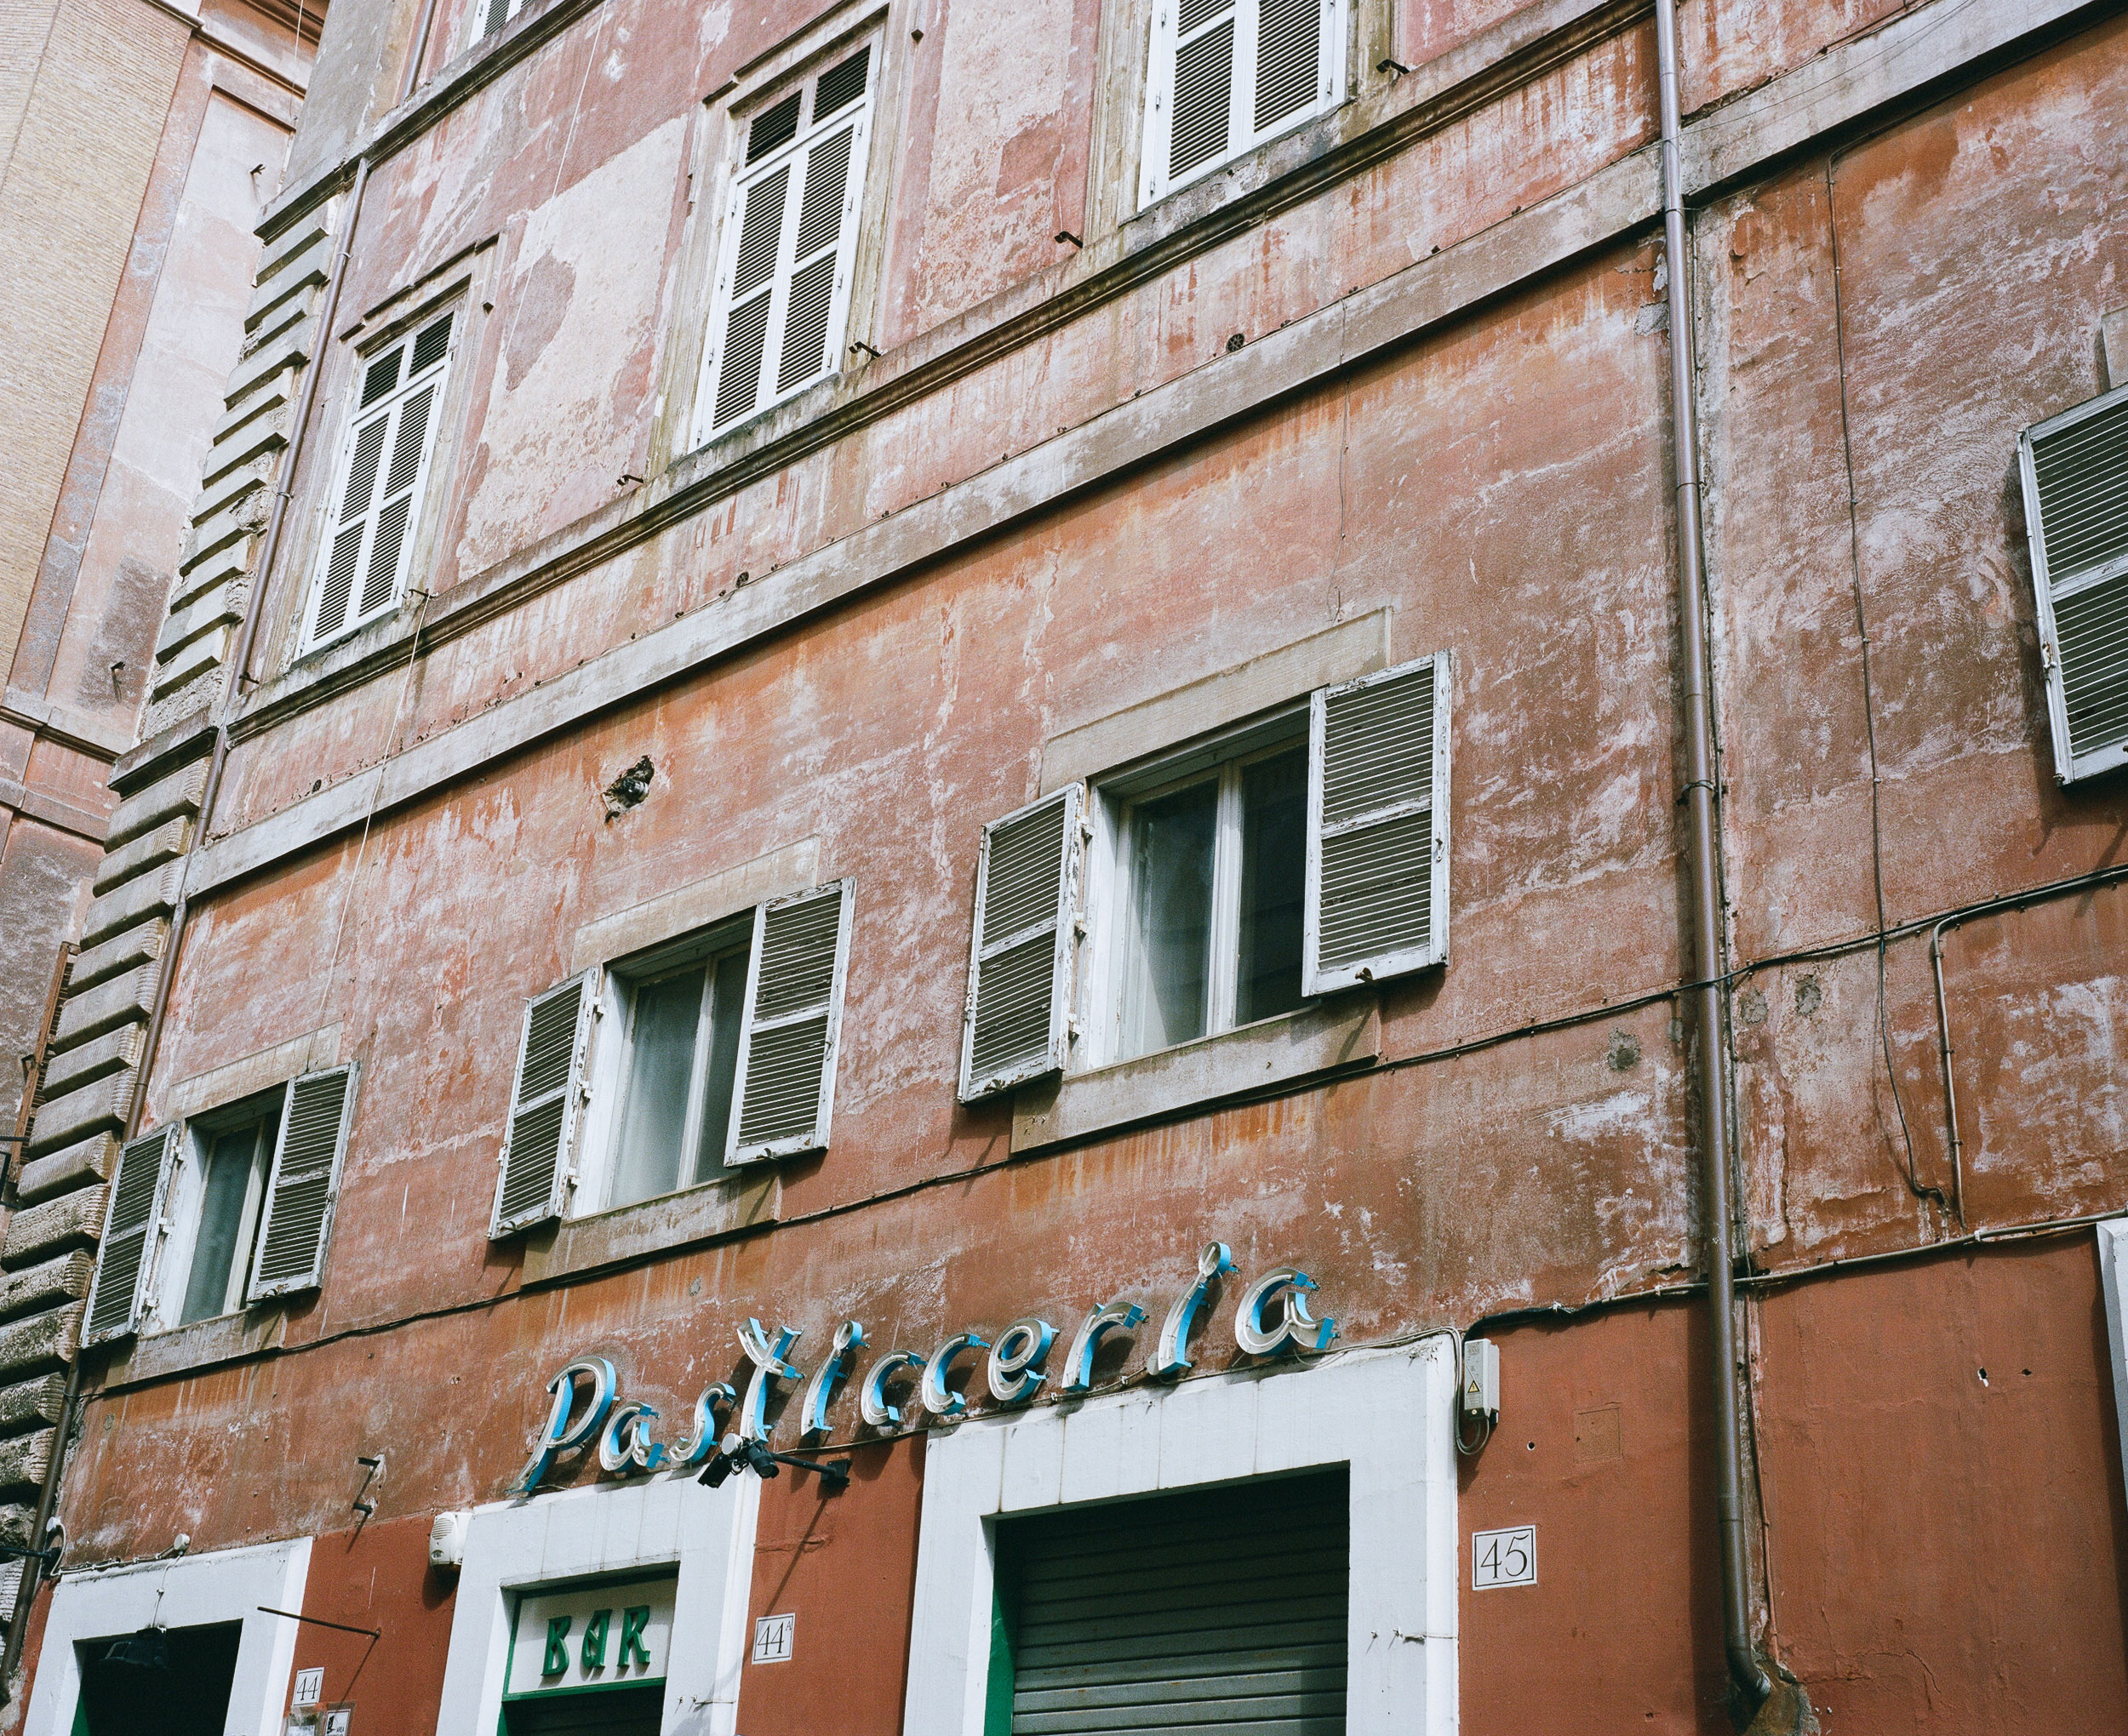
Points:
(2075, 468)
(790, 232)
(783, 1091)
(1377, 841)
(133, 1231)
(303, 1184)
(1017, 1022)
(369, 540)
(539, 1148)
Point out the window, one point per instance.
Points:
(1206, 905)
(219, 1196)
(1230, 881)
(375, 504)
(245, 1198)
(1234, 1598)
(788, 246)
(2075, 471)
(722, 1054)
(1226, 75)
(681, 1033)
(490, 15)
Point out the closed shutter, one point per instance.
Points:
(1226, 75)
(2075, 468)
(789, 244)
(133, 1231)
(1219, 1609)
(377, 506)
(1376, 898)
(783, 1089)
(1017, 1022)
(540, 1140)
(303, 1184)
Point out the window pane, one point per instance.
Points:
(222, 1244)
(728, 997)
(653, 1112)
(1274, 852)
(1165, 975)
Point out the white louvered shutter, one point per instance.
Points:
(376, 505)
(788, 246)
(783, 1089)
(133, 1235)
(1377, 899)
(303, 1184)
(1016, 1026)
(2075, 468)
(1226, 75)
(546, 1100)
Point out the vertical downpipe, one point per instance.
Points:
(1746, 1674)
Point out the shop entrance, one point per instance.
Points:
(598, 1711)
(160, 1682)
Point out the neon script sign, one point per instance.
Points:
(1272, 1319)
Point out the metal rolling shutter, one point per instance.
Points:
(1216, 1612)
(610, 1711)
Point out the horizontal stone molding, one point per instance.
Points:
(66, 1121)
(74, 1220)
(135, 946)
(29, 1403)
(149, 895)
(44, 1178)
(165, 843)
(24, 1460)
(126, 995)
(177, 793)
(53, 1282)
(40, 1341)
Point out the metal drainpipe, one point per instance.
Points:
(1746, 1671)
(47, 1494)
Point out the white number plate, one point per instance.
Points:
(1501, 1558)
(772, 1638)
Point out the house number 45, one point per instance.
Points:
(1503, 1558)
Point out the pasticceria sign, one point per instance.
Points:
(1272, 1318)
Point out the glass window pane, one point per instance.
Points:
(1165, 972)
(1274, 860)
(222, 1245)
(727, 997)
(654, 1110)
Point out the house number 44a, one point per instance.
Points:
(1502, 1558)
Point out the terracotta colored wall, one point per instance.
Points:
(378, 1578)
(845, 1565)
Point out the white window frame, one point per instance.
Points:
(1108, 899)
(1386, 1414)
(226, 1585)
(739, 176)
(188, 1184)
(606, 1068)
(1154, 183)
(359, 416)
(667, 1522)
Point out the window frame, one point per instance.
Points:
(354, 416)
(1156, 95)
(610, 1068)
(197, 1135)
(731, 178)
(1224, 754)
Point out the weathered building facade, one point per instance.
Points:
(139, 145)
(1021, 746)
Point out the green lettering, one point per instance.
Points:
(633, 1623)
(594, 1653)
(557, 1651)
